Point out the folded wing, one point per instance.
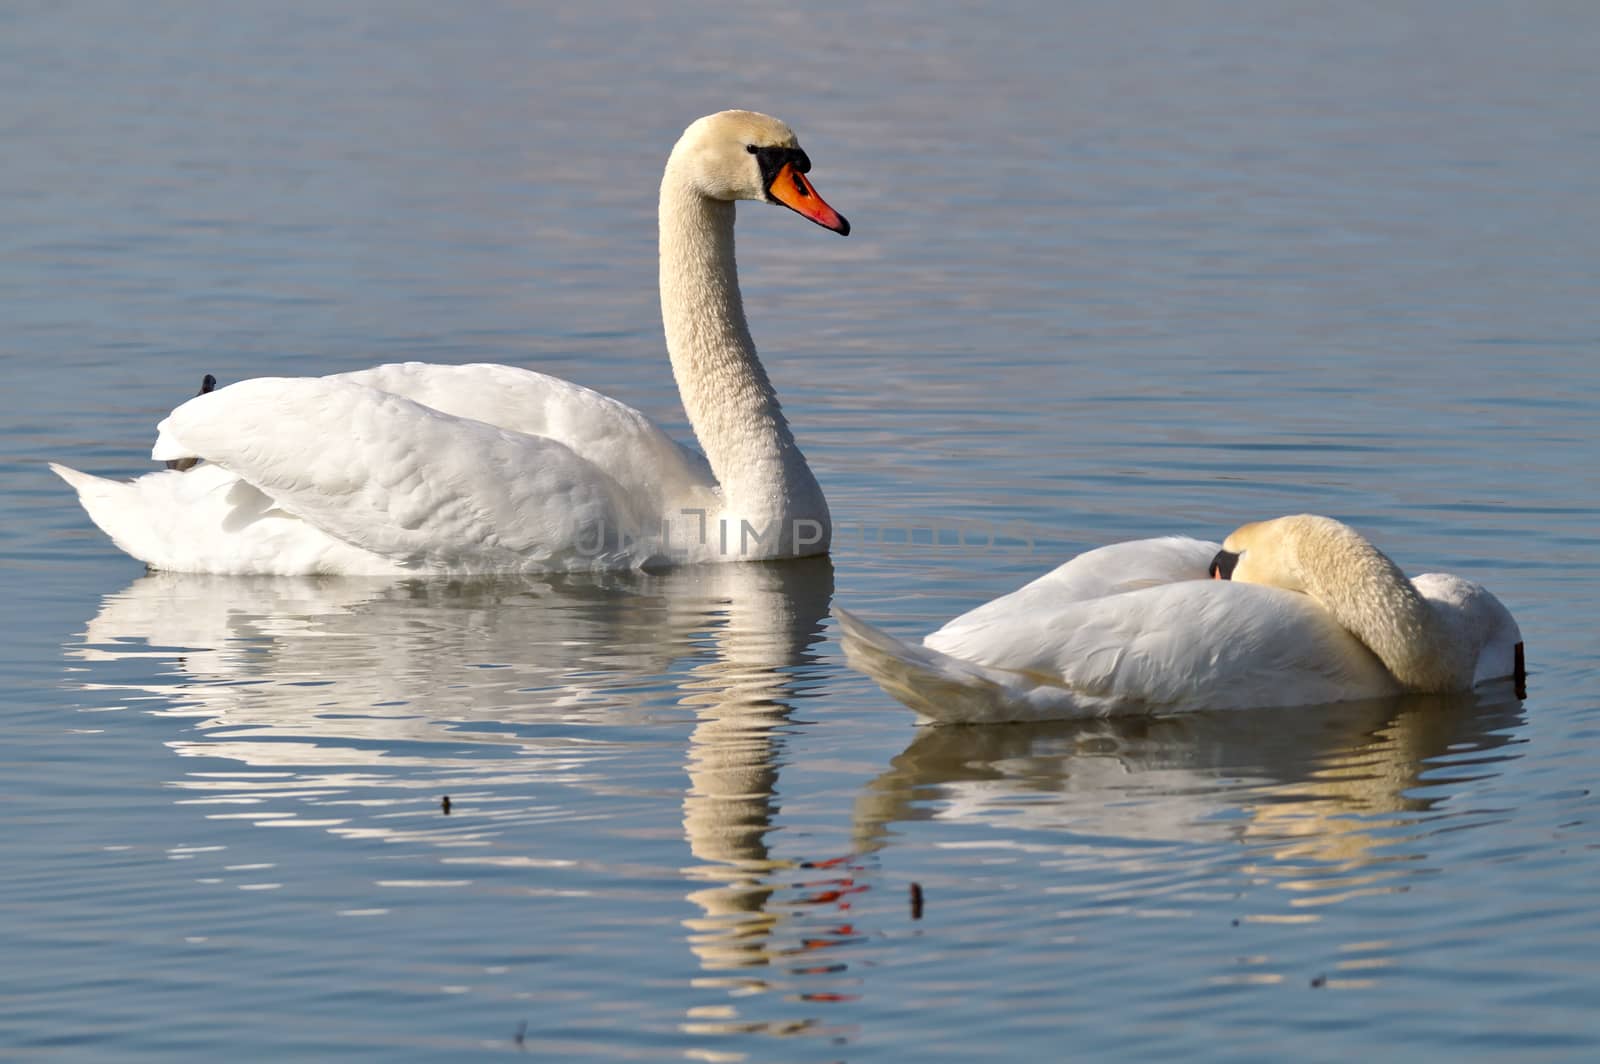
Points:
(407, 482)
(628, 447)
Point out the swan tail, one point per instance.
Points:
(939, 688)
(169, 519)
(206, 520)
(119, 508)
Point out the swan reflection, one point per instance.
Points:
(1318, 801)
(353, 705)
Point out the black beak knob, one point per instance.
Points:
(1222, 565)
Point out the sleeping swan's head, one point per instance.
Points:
(735, 155)
(1268, 552)
(1435, 633)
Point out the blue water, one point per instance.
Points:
(1115, 271)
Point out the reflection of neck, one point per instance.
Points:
(727, 812)
(725, 389)
(771, 614)
(737, 700)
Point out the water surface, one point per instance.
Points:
(1115, 271)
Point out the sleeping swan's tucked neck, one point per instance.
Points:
(730, 402)
(1429, 633)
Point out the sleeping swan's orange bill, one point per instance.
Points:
(791, 189)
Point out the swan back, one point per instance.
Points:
(657, 475)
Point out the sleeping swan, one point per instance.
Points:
(1298, 610)
(416, 468)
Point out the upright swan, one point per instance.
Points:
(1303, 610)
(412, 468)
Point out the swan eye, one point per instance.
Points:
(751, 148)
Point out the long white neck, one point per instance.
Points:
(1369, 595)
(726, 393)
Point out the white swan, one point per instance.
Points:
(1306, 611)
(483, 468)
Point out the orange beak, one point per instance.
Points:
(791, 189)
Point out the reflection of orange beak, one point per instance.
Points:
(791, 189)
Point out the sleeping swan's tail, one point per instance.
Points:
(940, 688)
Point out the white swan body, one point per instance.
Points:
(1139, 628)
(452, 469)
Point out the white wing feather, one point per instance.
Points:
(403, 481)
(1078, 642)
(406, 467)
(1097, 573)
(624, 444)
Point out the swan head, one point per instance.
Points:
(1315, 555)
(1470, 635)
(746, 155)
(1265, 552)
